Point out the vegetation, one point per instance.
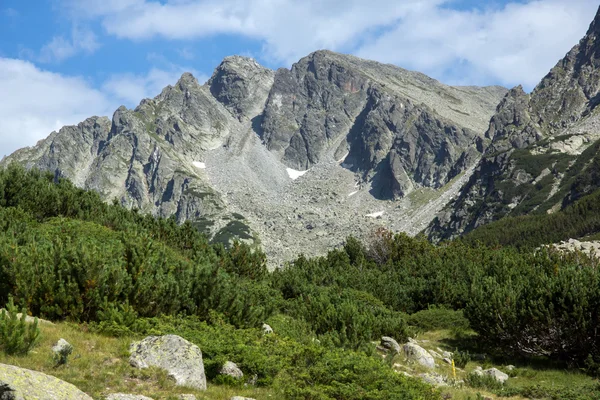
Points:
(17, 336)
(67, 256)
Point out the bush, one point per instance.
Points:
(461, 358)
(439, 318)
(16, 335)
(483, 381)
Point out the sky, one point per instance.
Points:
(62, 61)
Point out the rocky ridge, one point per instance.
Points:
(543, 146)
(297, 159)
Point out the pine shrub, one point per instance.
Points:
(16, 335)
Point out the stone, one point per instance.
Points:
(510, 367)
(23, 384)
(447, 360)
(123, 396)
(61, 351)
(267, 329)
(241, 398)
(180, 358)
(231, 369)
(434, 379)
(496, 374)
(29, 319)
(416, 353)
(186, 397)
(389, 344)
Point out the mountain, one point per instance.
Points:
(544, 150)
(296, 159)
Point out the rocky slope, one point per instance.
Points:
(296, 159)
(544, 147)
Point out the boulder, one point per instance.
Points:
(23, 384)
(434, 379)
(180, 358)
(186, 397)
(497, 374)
(241, 398)
(61, 351)
(231, 369)
(29, 319)
(510, 367)
(123, 396)
(390, 344)
(416, 353)
(267, 329)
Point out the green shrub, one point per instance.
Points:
(461, 358)
(16, 335)
(439, 318)
(483, 381)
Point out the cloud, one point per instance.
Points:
(43, 101)
(40, 102)
(515, 43)
(61, 48)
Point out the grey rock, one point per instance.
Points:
(390, 344)
(29, 319)
(180, 358)
(447, 360)
(510, 367)
(123, 396)
(61, 351)
(241, 398)
(231, 369)
(267, 329)
(434, 379)
(496, 374)
(186, 397)
(416, 353)
(435, 354)
(23, 384)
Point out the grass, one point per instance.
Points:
(99, 366)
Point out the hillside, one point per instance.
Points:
(544, 147)
(108, 277)
(292, 159)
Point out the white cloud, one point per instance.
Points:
(42, 101)
(61, 48)
(516, 43)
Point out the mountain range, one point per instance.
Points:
(298, 159)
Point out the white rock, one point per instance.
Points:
(180, 358)
(199, 164)
(294, 174)
(123, 396)
(419, 355)
(267, 329)
(497, 374)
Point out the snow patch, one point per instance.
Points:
(353, 193)
(198, 164)
(295, 174)
(341, 160)
(375, 215)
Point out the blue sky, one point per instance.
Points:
(64, 60)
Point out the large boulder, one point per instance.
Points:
(416, 353)
(496, 374)
(180, 358)
(23, 384)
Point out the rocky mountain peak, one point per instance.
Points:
(187, 80)
(241, 85)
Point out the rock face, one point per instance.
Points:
(180, 358)
(541, 144)
(298, 158)
(416, 353)
(23, 384)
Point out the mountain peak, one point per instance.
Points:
(186, 80)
